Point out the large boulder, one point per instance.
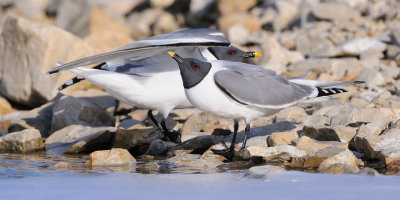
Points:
(28, 50)
(25, 141)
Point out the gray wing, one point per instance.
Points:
(152, 46)
(253, 87)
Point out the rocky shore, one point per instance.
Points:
(357, 132)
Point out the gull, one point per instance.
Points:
(143, 75)
(246, 92)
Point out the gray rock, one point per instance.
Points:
(371, 77)
(140, 22)
(279, 153)
(74, 16)
(326, 133)
(313, 160)
(80, 139)
(199, 144)
(368, 172)
(263, 171)
(28, 50)
(135, 136)
(159, 147)
(359, 45)
(190, 163)
(69, 110)
(310, 145)
(335, 11)
(25, 141)
(97, 97)
(288, 12)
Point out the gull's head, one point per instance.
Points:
(192, 70)
(232, 53)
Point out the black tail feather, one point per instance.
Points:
(329, 91)
(78, 79)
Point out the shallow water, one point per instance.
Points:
(33, 177)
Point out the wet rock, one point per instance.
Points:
(204, 122)
(159, 147)
(340, 168)
(69, 110)
(210, 154)
(179, 152)
(80, 139)
(242, 155)
(263, 171)
(151, 167)
(326, 133)
(61, 165)
(199, 144)
(281, 138)
(368, 172)
(310, 145)
(5, 107)
(314, 159)
(227, 7)
(135, 136)
(113, 157)
(248, 21)
(297, 162)
(335, 11)
(31, 49)
(345, 157)
(193, 163)
(25, 141)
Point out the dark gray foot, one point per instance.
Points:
(227, 153)
(173, 136)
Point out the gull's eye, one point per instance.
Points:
(231, 52)
(195, 66)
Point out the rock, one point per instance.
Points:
(209, 154)
(31, 49)
(293, 112)
(288, 12)
(297, 162)
(80, 139)
(204, 122)
(340, 168)
(248, 21)
(260, 141)
(140, 22)
(227, 7)
(25, 141)
(273, 53)
(314, 159)
(5, 107)
(371, 77)
(345, 157)
(179, 152)
(97, 97)
(282, 153)
(310, 145)
(61, 165)
(108, 40)
(237, 33)
(164, 24)
(113, 157)
(360, 45)
(281, 138)
(192, 135)
(135, 136)
(263, 171)
(151, 167)
(335, 11)
(192, 163)
(368, 172)
(100, 21)
(159, 147)
(69, 110)
(326, 133)
(161, 3)
(199, 144)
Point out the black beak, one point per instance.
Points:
(175, 56)
(252, 54)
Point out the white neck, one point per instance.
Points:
(208, 55)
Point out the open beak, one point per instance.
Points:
(252, 54)
(175, 56)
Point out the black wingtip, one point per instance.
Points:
(359, 82)
(51, 72)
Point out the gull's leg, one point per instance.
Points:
(151, 116)
(228, 152)
(246, 135)
(174, 136)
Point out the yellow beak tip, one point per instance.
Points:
(256, 54)
(171, 53)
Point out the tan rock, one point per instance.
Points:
(210, 154)
(293, 112)
(230, 7)
(5, 107)
(313, 160)
(281, 138)
(100, 21)
(335, 11)
(61, 165)
(28, 140)
(340, 168)
(164, 24)
(204, 122)
(345, 157)
(310, 145)
(108, 40)
(248, 21)
(31, 49)
(113, 157)
(263, 171)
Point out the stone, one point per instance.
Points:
(310, 145)
(108, 40)
(293, 112)
(273, 52)
(61, 165)
(360, 45)
(227, 7)
(164, 24)
(204, 122)
(140, 22)
(281, 138)
(237, 33)
(314, 159)
(297, 162)
(256, 151)
(368, 172)
(5, 107)
(179, 152)
(340, 168)
(192, 163)
(326, 133)
(288, 12)
(282, 153)
(80, 139)
(25, 141)
(371, 77)
(199, 144)
(30, 49)
(345, 157)
(100, 21)
(135, 136)
(159, 147)
(161, 3)
(69, 110)
(113, 157)
(100, 98)
(192, 135)
(151, 167)
(263, 171)
(335, 11)
(249, 22)
(210, 154)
